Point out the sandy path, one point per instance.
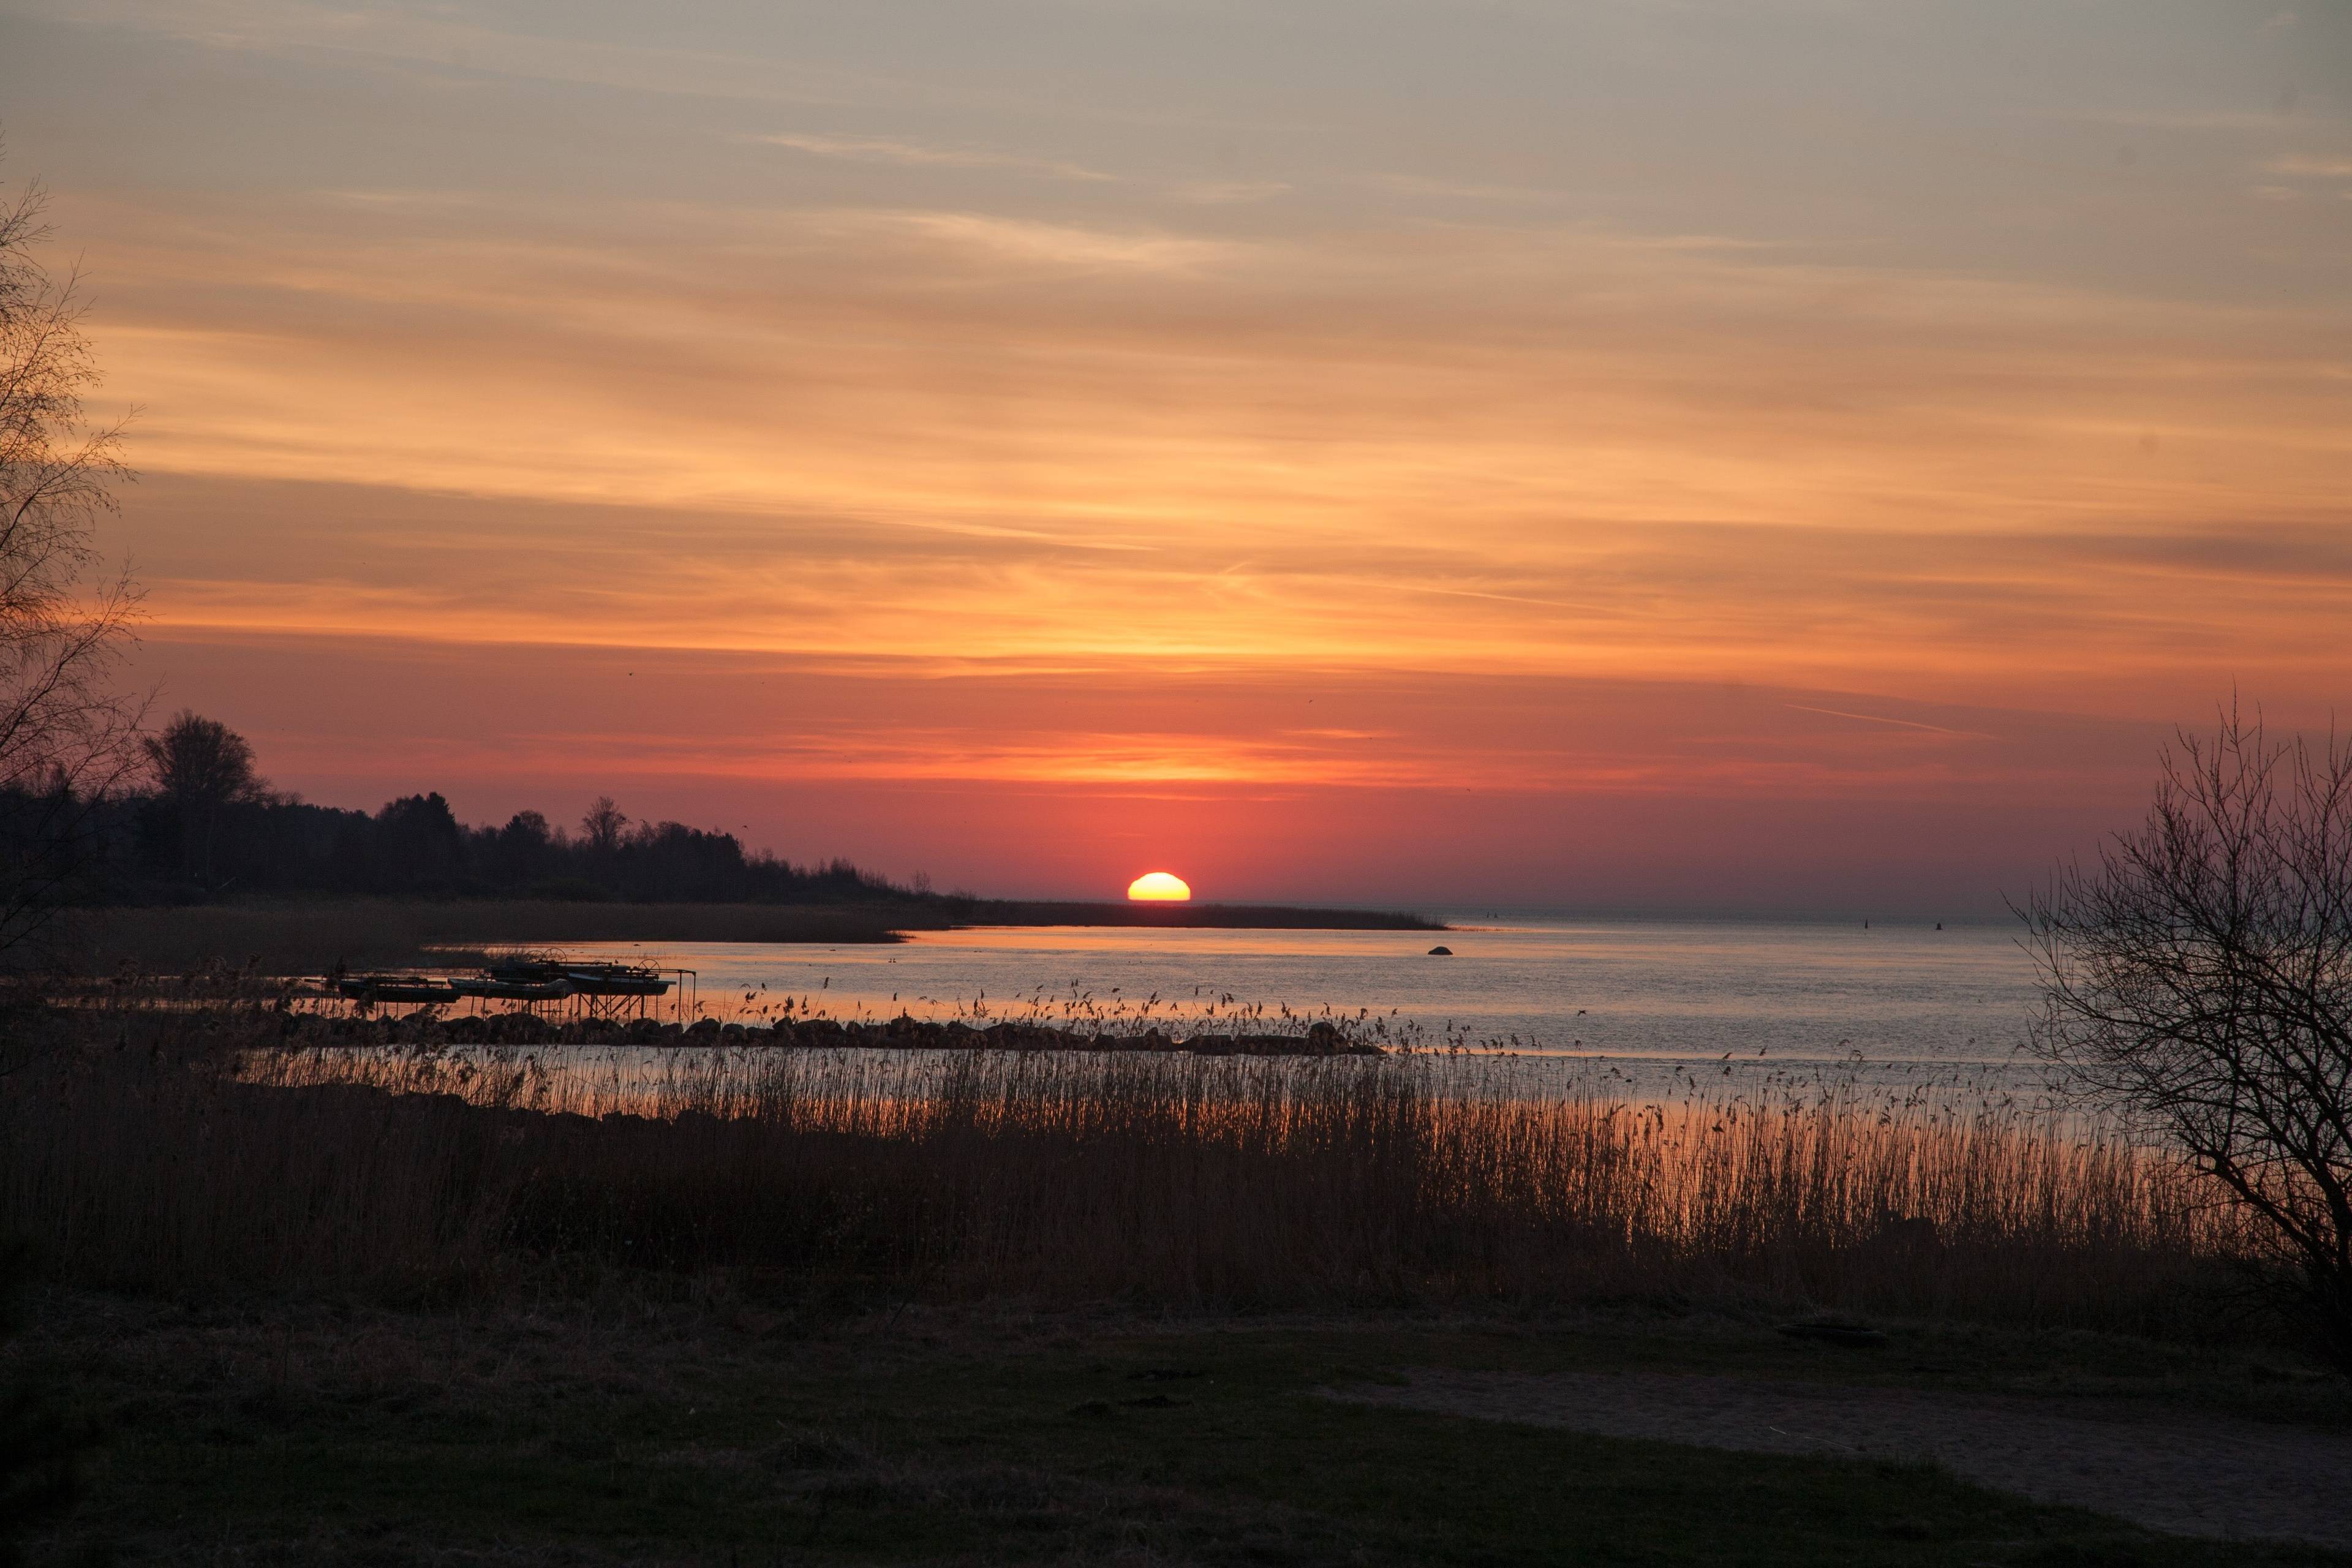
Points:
(2194, 1474)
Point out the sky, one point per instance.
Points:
(1645, 454)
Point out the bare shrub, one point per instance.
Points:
(2198, 980)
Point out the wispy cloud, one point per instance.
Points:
(2309, 167)
(1896, 723)
(2217, 119)
(1217, 192)
(1466, 190)
(919, 154)
(1024, 241)
(442, 39)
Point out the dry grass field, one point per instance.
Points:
(161, 1149)
(785, 1305)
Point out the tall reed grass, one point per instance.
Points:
(184, 1151)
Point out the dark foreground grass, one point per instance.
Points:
(177, 1151)
(491, 1320)
(721, 1431)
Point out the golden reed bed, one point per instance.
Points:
(180, 1152)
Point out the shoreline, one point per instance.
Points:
(390, 1025)
(285, 937)
(1195, 916)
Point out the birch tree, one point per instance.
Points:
(67, 732)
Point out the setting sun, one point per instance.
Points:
(1161, 886)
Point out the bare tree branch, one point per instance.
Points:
(68, 736)
(2197, 980)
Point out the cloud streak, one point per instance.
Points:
(916, 155)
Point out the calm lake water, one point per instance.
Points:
(1618, 1006)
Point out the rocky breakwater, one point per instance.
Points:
(429, 1027)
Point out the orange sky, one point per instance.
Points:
(1627, 455)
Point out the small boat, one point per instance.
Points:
(496, 987)
(526, 971)
(396, 988)
(615, 980)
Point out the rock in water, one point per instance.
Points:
(1441, 952)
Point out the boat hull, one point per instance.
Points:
(514, 989)
(367, 988)
(617, 985)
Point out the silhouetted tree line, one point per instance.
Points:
(203, 823)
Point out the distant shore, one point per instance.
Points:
(311, 937)
(1258, 917)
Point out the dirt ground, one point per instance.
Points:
(2190, 1473)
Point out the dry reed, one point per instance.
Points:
(181, 1151)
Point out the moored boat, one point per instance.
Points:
(526, 971)
(415, 988)
(497, 986)
(615, 980)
